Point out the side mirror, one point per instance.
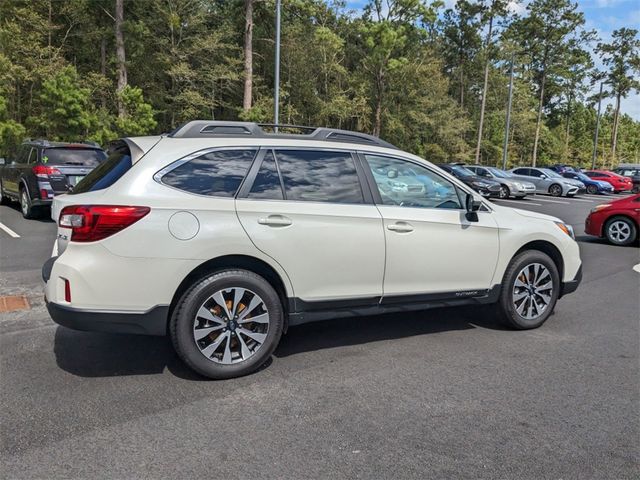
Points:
(472, 205)
(2, 161)
(543, 176)
(393, 173)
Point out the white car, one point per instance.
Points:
(222, 235)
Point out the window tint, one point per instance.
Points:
(33, 156)
(409, 185)
(23, 154)
(217, 173)
(88, 157)
(521, 171)
(319, 176)
(267, 182)
(108, 172)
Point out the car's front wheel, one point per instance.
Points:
(592, 189)
(227, 324)
(530, 289)
(504, 191)
(555, 190)
(620, 231)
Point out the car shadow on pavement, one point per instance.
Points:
(90, 354)
(44, 217)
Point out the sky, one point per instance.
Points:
(603, 16)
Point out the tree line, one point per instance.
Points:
(433, 81)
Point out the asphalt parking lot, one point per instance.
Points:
(437, 394)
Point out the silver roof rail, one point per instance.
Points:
(219, 128)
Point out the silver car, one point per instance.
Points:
(509, 185)
(548, 181)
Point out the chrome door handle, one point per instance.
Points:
(275, 221)
(400, 227)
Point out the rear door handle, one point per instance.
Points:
(275, 221)
(400, 227)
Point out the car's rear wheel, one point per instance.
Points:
(227, 324)
(555, 190)
(592, 189)
(530, 289)
(504, 191)
(28, 210)
(620, 231)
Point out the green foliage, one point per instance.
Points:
(399, 68)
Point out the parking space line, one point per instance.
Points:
(521, 202)
(580, 200)
(9, 231)
(551, 201)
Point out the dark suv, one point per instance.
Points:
(484, 186)
(41, 169)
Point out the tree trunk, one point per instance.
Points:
(248, 55)
(120, 56)
(103, 68)
(377, 124)
(539, 120)
(566, 133)
(484, 89)
(461, 87)
(614, 134)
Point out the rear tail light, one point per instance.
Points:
(89, 223)
(43, 171)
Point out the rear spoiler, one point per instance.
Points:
(138, 146)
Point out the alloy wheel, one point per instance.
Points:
(504, 192)
(555, 190)
(24, 203)
(619, 231)
(592, 189)
(532, 291)
(231, 325)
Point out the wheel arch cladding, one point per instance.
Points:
(550, 249)
(243, 262)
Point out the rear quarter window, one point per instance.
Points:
(217, 174)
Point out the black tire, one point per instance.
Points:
(555, 190)
(183, 318)
(616, 240)
(507, 311)
(27, 210)
(592, 189)
(504, 192)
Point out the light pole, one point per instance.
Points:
(276, 89)
(595, 137)
(506, 131)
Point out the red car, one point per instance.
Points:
(618, 182)
(616, 221)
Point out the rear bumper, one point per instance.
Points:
(151, 322)
(572, 285)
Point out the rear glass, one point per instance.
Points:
(107, 172)
(87, 157)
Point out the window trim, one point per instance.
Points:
(244, 189)
(373, 186)
(191, 156)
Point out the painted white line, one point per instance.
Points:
(520, 202)
(637, 268)
(598, 197)
(538, 199)
(580, 200)
(9, 231)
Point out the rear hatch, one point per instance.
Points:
(70, 164)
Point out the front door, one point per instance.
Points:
(431, 246)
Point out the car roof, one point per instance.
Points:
(49, 144)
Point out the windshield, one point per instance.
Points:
(87, 157)
(582, 176)
(108, 172)
(499, 173)
(461, 171)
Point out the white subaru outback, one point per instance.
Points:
(223, 234)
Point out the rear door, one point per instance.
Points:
(307, 209)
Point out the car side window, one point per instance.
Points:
(319, 176)
(407, 184)
(267, 184)
(522, 171)
(33, 156)
(217, 174)
(535, 173)
(23, 154)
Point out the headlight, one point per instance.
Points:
(480, 184)
(600, 207)
(568, 229)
